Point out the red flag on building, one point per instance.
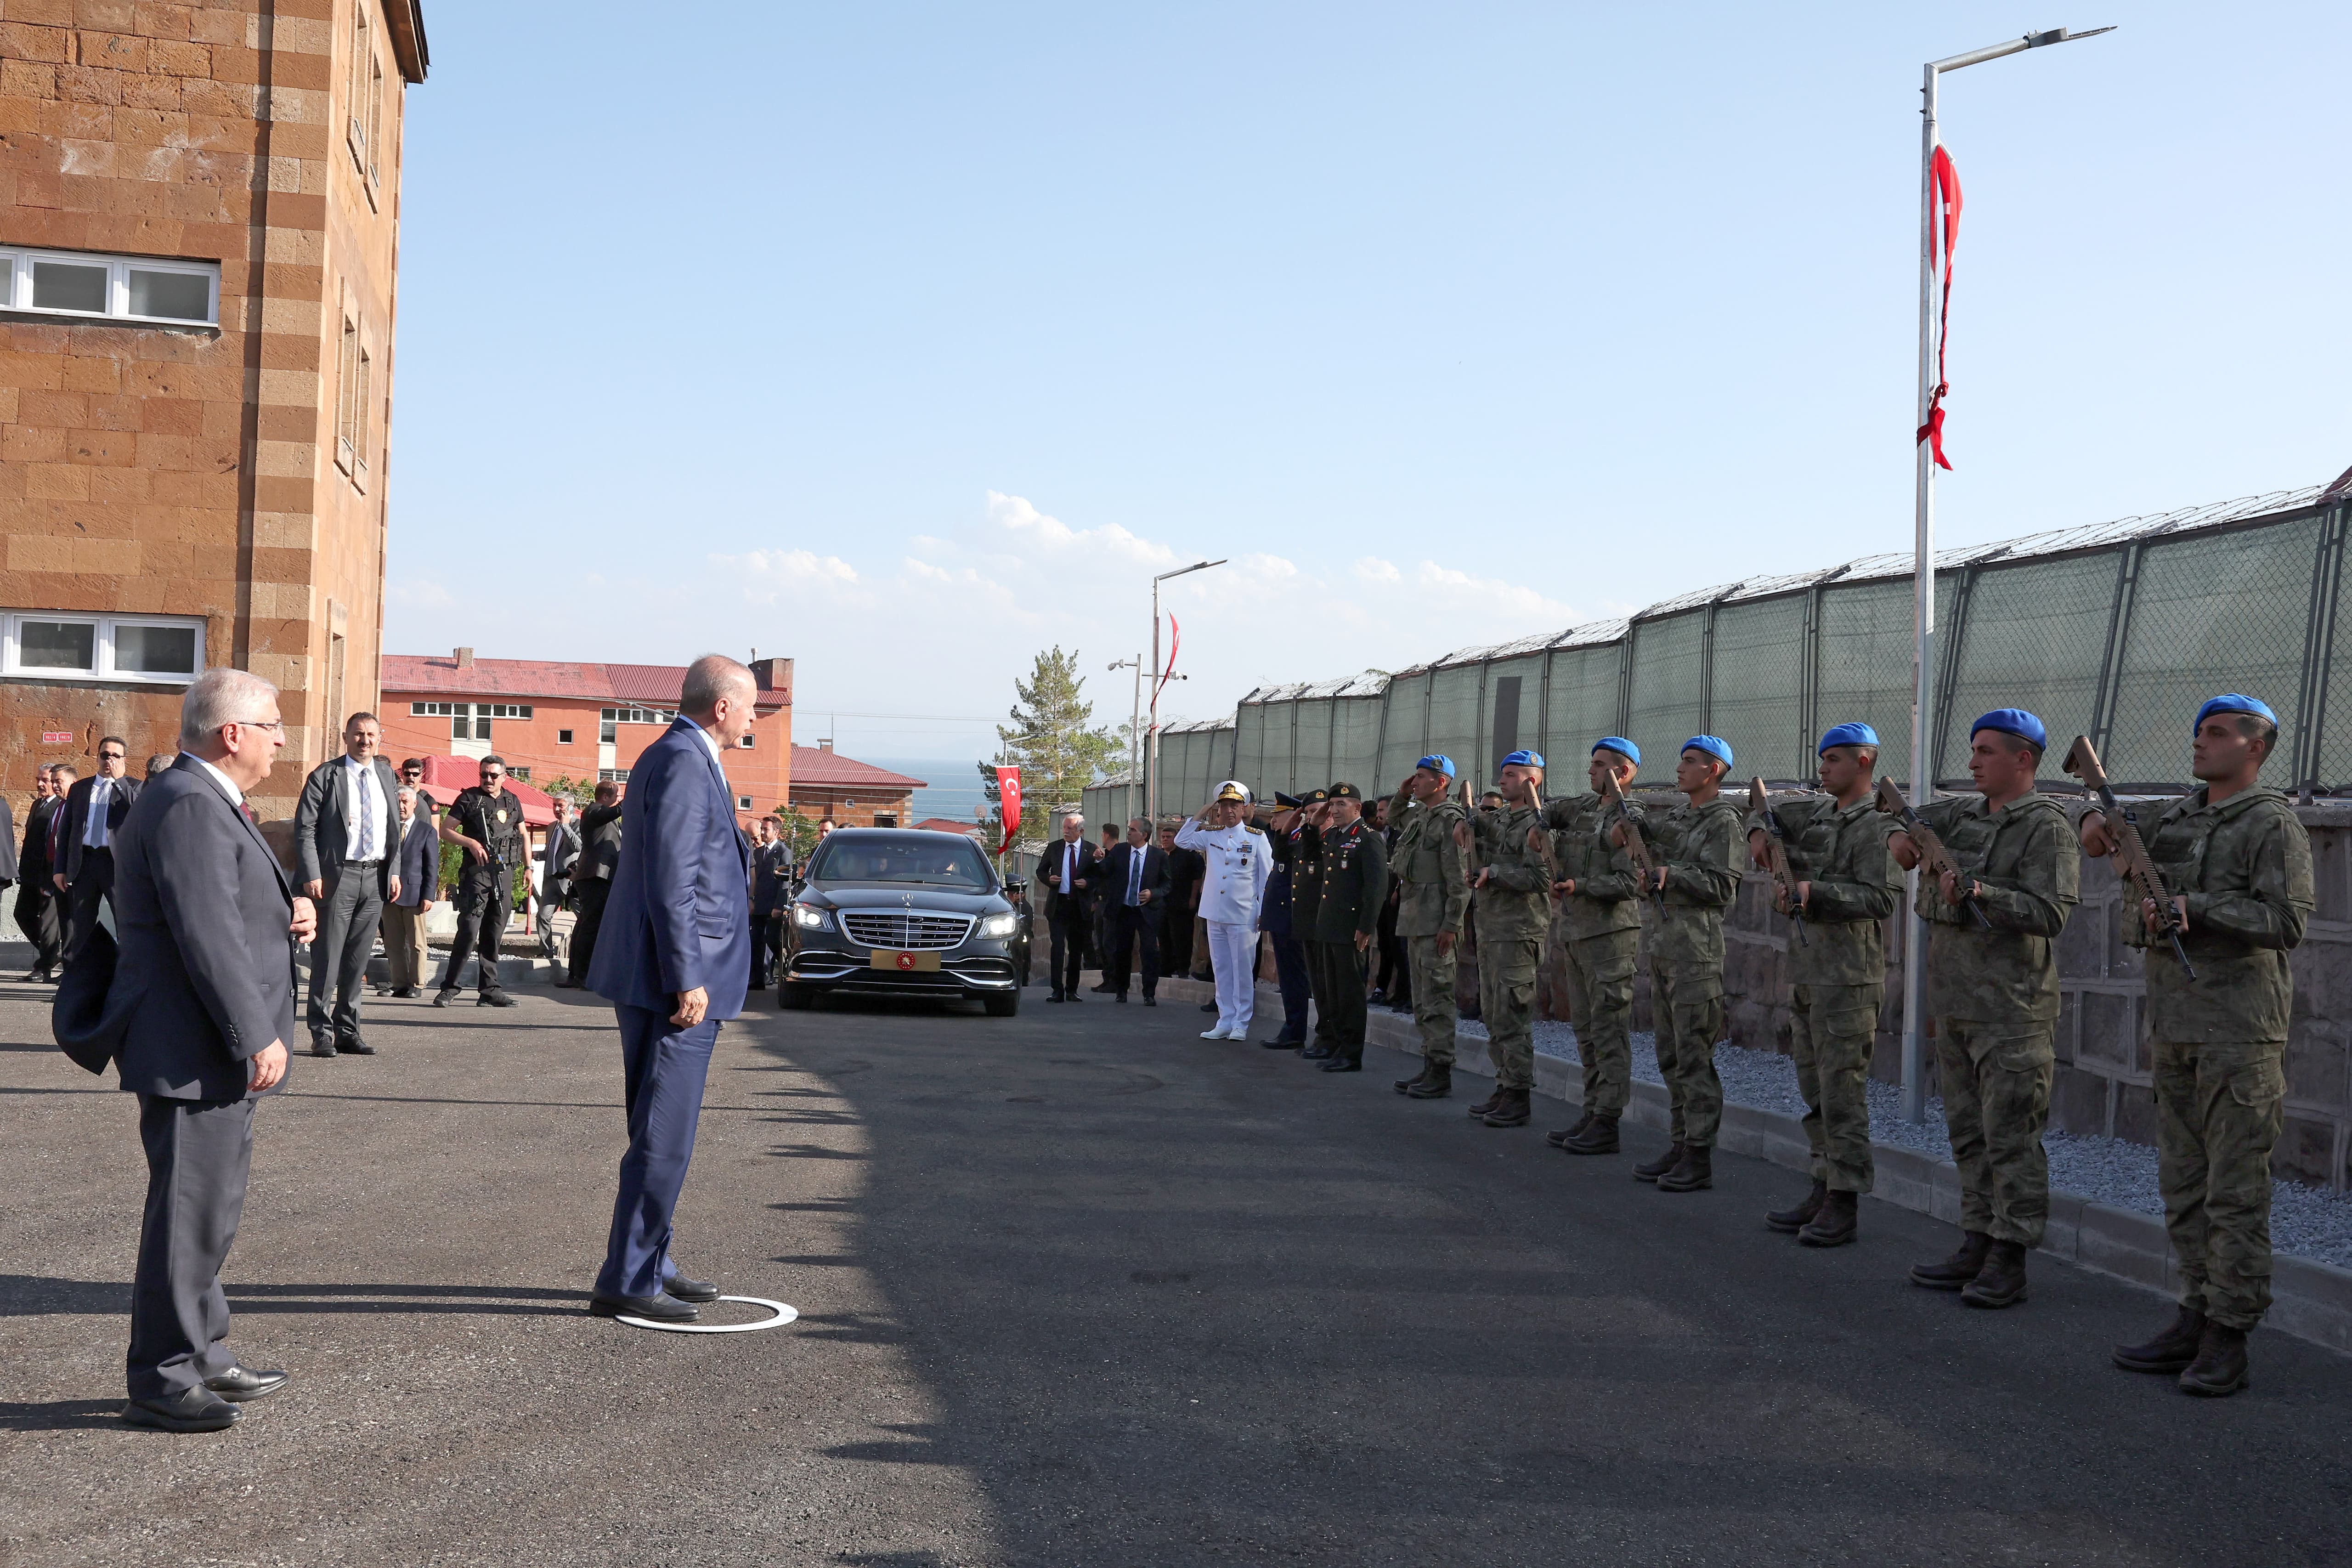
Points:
(1008, 790)
(1944, 233)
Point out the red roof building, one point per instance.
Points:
(948, 825)
(824, 783)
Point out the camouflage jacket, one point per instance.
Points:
(2031, 868)
(1856, 885)
(1354, 882)
(1608, 896)
(1703, 851)
(1517, 900)
(2245, 866)
(1431, 896)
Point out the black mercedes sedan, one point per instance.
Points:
(887, 911)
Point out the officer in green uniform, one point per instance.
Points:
(1696, 850)
(1354, 882)
(2236, 863)
(1434, 897)
(486, 824)
(1296, 836)
(1601, 912)
(1510, 901)
(1846, 885)
(1992, 990)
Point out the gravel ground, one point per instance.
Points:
(2309, 1222)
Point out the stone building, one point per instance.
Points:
(199, 242)
(853, 793)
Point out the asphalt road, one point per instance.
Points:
(1077, 1288)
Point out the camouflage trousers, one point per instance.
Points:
(1507, 1003)
(1830, 1031)
(1687, 1017)
(2218, 1110)
(1996, 1082)
(1600, 1005)
(1434, 1008)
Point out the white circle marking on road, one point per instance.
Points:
(783, 1314)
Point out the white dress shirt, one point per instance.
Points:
(235, 795)
(93, 827)
(354, 835)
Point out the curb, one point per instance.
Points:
(2310, 1300)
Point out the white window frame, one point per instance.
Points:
(17, 285)
(12, 666)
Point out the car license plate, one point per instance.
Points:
(902, 963)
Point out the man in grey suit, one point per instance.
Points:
(198, 1015)
(416, 869)
(345, 828)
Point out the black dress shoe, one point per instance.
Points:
(196, 1409)
(1344, 1064)
(322, 1045)
(411, 992)
(574, 985)
(1279, 1044)
(352, 1046)
(239, 1384)
(662, 1309)
(1208, 1006)
(1151, 1001)
(1317, 1053)
(443, 998)
(494, 999)
(1056, 996)
(685, 1290)
(1122, 998)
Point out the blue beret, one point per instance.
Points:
(2233, 703)
(1848, 735)
(1437, 762)
(2016, 721)
(1525, 759)
(1715, 746)
(1622, 746)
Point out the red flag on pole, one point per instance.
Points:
(1944, 232)
(1175, 641)
(1008, 790)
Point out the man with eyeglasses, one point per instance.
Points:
(346, 826)
(94, 811)
(486, 824)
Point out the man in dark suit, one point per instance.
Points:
(556, 857)
(416, 867)
(345, 828)
(37, 914)
(674, 962)
(591, 881)
(772, 867)
(199, 1013)
(1066, 871)
(83, 865)
(1134, 889)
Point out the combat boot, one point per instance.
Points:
(2219, 1369)
(1789, 1221)
(1405, 1085)
(1436, 1084)
(1954, 1272)
(2170, 1351)
(1599, 1137)
(1510, 1109)
(1692, 1173)
(1651, 1170)
(1488, 1104)
(1559, 1140)
(1837, 1224)
(2001, 1281)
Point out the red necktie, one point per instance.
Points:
(249, 816)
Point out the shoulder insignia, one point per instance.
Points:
(1254, 827)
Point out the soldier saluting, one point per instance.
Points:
(1600, 903)
(1992, 990)
(1434, 895)
(2236, 865)
(1354, 882)
(486, 823)
(1510, 901)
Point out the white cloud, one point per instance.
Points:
(1372, 569)
(768, 575)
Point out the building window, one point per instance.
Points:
(563, 737)
(743, 802)
(636, 716)
(355, 128)
(522, 773)
(375, 159)
(42, 644)
(886, 820)
(607, 732)
(612, 776)
(745, 743)
(121, 288)
(470, 720)
(353, 365)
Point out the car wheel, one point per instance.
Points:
(1004, 1006)
(795, 998)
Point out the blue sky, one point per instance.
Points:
(906, 340)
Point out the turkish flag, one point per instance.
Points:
(1008, 789)
(1943, 234)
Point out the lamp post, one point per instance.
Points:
(1134, 726)
(1923, 709)
(1151, 757)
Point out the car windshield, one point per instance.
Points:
(941, 859)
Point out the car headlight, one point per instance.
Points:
(808, 917)
(1004, 924)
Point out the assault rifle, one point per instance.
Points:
(1539, 838)
(2132, 857)
(1628, 836)
(1934, 857)
(1776, 857)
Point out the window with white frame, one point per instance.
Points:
(44, 645)
(470, 720)
(745, 743)
(351, 405)
(355, 129)
(111, 287)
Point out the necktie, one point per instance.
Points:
(1134, 876)
(249, 816)
(367, 815)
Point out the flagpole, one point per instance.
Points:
(1158, 679)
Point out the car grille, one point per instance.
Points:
(907, 930)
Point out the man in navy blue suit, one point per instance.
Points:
(674, 958)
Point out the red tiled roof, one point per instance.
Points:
(816, 765)
(948, 825)
(406, 673)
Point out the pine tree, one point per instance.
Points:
(1053, 743)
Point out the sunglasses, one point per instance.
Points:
(110, 756)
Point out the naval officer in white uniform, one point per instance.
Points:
(1240, 862)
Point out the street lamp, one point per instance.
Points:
(1151, 760)
(1923, 710)
(1134, 726)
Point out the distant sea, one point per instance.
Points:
(953, 787)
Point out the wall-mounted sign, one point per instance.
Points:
(57, 737)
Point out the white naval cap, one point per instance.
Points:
(1234, 789)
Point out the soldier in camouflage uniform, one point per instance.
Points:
(1992, 990)
(1601, 914)
(2236, 863)
(1354, 865)
(1696, 849)
(1845, 885)
(1434, 895)
(1510, 901)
